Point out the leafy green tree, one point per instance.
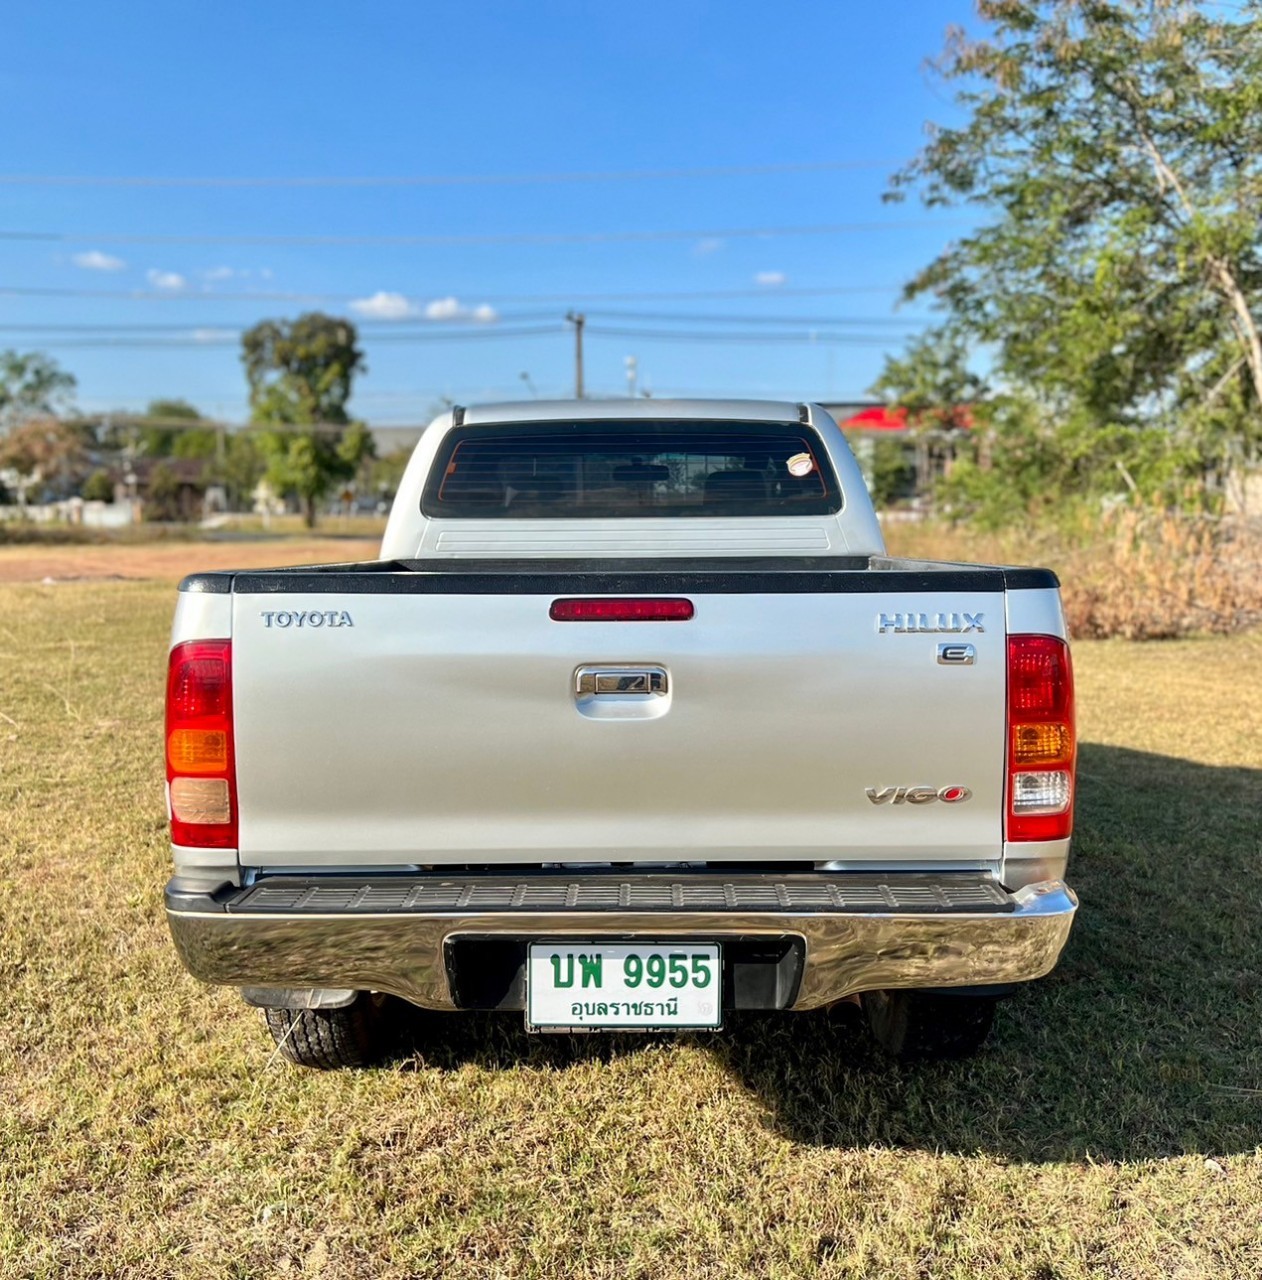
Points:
(892, 470)
(381, 477)
(301, 374)
(301, 371)
(162, 501)
(173, 410)
(162, 432)
(240, 469)
(310, 463)
(1115, 152)
(32, 386)
(98, 487)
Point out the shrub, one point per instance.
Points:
(1137, 573)
(98, 487)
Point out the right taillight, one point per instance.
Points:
(201, 772)
(1041, 741)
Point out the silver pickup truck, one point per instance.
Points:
(634, 723)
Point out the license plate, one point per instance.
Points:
(581, 985)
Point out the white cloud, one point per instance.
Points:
(384, 306)
(265, 272)
(95, 260)
(213, 335)
(165, 279)
(218, 273)
(444, 309)
(712, 244)
(453, 309)
(770, 278)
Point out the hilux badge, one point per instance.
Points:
(931, 623)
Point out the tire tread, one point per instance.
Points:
(329, 1039)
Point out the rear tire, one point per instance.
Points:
(917, 1026)
(356, 1035)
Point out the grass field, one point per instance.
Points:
(1111, 1128)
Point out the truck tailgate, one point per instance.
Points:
(433, 719)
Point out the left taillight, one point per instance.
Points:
(201, 770)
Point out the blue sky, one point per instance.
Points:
(463, 90)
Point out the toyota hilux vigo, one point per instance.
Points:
(633, 724)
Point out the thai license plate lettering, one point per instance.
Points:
(630, 985)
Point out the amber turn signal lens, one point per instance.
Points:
(198, 750)
(1040, 743)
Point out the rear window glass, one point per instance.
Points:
(590, 470)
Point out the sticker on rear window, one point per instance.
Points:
(801, 464)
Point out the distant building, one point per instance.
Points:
(169, 488)
(899, 464)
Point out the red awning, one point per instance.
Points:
(877, 418)
(881, 418)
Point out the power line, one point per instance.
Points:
(446, 180)
(474, 239)
(221, 327)
(226, 338)
(562, 299)
(697, 318)
(418, 326)
(809, 338)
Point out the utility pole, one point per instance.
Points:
(578, 321)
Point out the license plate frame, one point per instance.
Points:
(611, 1001)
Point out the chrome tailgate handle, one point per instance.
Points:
(621, 681)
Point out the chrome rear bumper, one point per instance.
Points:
(854, 932)
(858, 932)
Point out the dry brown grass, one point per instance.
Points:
(147, 1130)
(1132, 574)
(170, 561)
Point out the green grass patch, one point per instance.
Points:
(148, 1130)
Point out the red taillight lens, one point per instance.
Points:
(1041, 743)
(621, 610)
(201, 772)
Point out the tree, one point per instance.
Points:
(1018, 457)
(98, 487)
(382, 476)
(32, 386)
(162, 502)
(301, 374)
(1118, 149)
(163, 433)
(310, 463)
(173, 410)
(45, 452)
(240, 469)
